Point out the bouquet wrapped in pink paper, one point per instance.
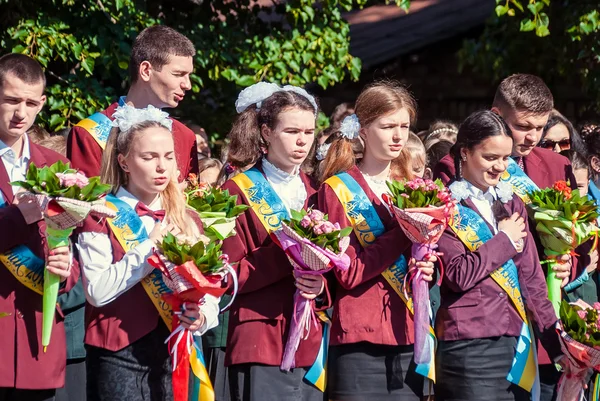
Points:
(190, 271)
(580, 342)
(313, 245)
(66, 197)
(422, 208)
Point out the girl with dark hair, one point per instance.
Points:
(591, 138)
(372, 329)
(559, 134)
(269, 141)
(127, 323)
(492, 281)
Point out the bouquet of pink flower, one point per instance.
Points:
(66, 197)
(580, 342)
(422, 208)
(313, 245)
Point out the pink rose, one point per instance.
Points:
(67, 180)
(316, 215)
(81, 180)
(327, 227)
(318, 229)
(597, 306)
(305, 222)
(337, 226)
(582, 314)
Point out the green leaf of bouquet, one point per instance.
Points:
(297, 215)
(344, 232)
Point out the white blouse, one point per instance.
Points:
(379, 187)
(289, 187)
(104, 280)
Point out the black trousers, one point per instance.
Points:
(16, 394)
(369, 372)
(253, 382)
(215, 364)
(475, 370)
(139, 372)
(75, 383)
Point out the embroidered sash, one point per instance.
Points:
(99, 125)
(520, 182)
(130, 231)
(474, 232)
(270, 210)
(367, 227)
(24, 264)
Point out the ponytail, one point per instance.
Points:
(340, 157)
(246, 144)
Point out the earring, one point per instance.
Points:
(464, 158)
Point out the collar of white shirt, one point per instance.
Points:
(490, 195)
(132, 201)
(276, 175)
(6, 152)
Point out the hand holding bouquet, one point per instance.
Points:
(65, 197)
(313, 245)
(191, 271)
(580, 341)
(216, 208)
(564, 220)
(422, 208)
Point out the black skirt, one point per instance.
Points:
(253, 382)
(138, 372)
(215, 359)
(369, 372)
(475, 370)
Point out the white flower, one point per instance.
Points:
(350, 127)
(127, 116)
(460, 190)
(322, 151)
(302, 92)
(504, 190)
(255, 94)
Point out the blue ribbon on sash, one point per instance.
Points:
(520, 182)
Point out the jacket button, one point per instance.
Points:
(19, 314)
(501, 295)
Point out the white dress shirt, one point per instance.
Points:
(379, 187)
(104, 280)
(289, 187)
(16, 167)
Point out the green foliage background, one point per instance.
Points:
(85, 44)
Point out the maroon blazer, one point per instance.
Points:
(366, 306)
(24, 364)
(86, 155)
(131, 315)
(474, 306)
(260, 316)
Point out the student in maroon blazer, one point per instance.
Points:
(372, 329)
(280, 124)
(127, 359)
(26, 372)
(477, 324)
(160, 67)
(525, 102)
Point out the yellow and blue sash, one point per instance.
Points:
(130, 231)
(270, 210)
(24, 264)
(474, 232)
(520, 182)
(99, 125)
(367, 227)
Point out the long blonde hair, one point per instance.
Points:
(111, 173)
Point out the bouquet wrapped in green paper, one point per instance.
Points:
(216, 208)
(66, 197)
(564, 220)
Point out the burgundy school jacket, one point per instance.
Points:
(366, 307)
(131, 315)
(24, 364)
(475, 306)
(260, 316)
(86, 155)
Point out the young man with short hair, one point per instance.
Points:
(27, 373)
(159, 68)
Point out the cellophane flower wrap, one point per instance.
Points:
(66, 198)
(313, 245)
(216, 208)
(580, 342)
(563, 220)
(423, 209)
(191, 271)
